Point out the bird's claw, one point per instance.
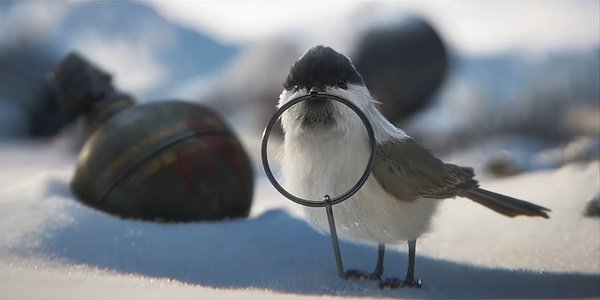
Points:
(395, 283)
(361, 275)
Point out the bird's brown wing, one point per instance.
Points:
(408, 171)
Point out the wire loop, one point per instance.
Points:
(355, 187)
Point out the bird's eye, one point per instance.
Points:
(342, 84)
(296, 88)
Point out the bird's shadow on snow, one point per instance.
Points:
(279, 252)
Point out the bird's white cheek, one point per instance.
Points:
(284, 97)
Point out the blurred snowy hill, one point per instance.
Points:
(147, 54)
(130, 39)
(134, 35)
(514, 93)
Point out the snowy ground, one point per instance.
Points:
(52, 247)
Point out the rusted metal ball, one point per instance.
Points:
(165, 161)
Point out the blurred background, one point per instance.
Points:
(518, 87)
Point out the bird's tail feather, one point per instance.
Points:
(505, 205)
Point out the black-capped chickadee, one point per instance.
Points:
(325, 151)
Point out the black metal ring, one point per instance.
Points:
(361, 180)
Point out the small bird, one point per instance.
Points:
(325, 150)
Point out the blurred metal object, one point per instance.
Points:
(83, 89)
(403, 65)
(171, 161)
(163, 161)
(592, 209)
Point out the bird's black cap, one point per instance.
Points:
(320, 67)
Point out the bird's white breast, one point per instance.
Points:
(327, 163)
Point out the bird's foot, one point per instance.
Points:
(362, 275)
(395, 283)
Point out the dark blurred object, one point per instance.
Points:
(403, 65)
(503, 166)
(582, 149)
(27, 108)
(173, 161)
(83, 89)
(163, 161)
(593, 207)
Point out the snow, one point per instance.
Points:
(52, 247)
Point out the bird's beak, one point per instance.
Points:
(320, 101)
(315, 89)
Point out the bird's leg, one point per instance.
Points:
(377, 273)
(410, 272)
(409, 280)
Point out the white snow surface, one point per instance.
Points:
(53, 247)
